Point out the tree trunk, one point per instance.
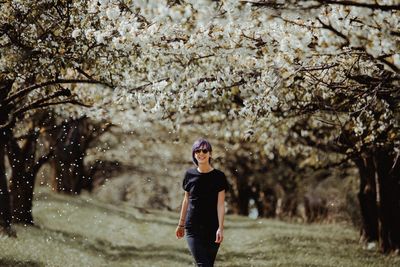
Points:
(71, 144)
(240, 195)
(6, 124)
(244, 198)
(5, 209)
(21, 187)
(380, 199)
(24, 167)
(22, 161)
(70, 149)
(265, 201)
(388, 200)
(68, 173)
(367, 199)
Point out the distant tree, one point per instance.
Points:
(71, 142)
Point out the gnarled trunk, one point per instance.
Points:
(71, 144)
(21, 183)
(68, 172)
(70, 150)
(5, 210)
(367, 199)
(388, 200)
(380, 198)
(24, 169)
(21, 187)
(22, 179)
(5, 124)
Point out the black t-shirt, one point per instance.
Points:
(203, 188)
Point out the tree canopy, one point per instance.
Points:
(312, 79)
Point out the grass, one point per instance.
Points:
(81, 231)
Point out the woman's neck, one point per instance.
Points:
(204, 168)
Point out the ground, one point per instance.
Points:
(83, 231)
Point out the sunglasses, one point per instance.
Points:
(197, 151)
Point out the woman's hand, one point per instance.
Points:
(180, 229)
(179, 232)
(219, 236)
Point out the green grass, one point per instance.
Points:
(81, 231)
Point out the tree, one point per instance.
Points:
(309, 73)
(353, 92)
(71, 142)
(284, 65)
(38, 58)
(25, 166)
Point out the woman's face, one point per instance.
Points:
(202, 155)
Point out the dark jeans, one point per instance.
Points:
(204, 251)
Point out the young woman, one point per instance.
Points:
(202, 213)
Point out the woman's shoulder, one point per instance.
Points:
(191, 171)
(195, 172)
(219, 172)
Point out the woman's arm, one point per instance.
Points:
(180, 230)
(221, 215)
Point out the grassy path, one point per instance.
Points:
(80, 231)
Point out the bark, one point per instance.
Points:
(5, 125)
(68, 173)
(266, 203)
(5, 209)
(24, 170)
(240, 195)
(367, 199)
(259, 200)
(388, 201)
(71, 144)
(289, 205)
(21, 197)
(68, 160)
(244, 198)
(380, 199)
(21, 182)
(315, 207)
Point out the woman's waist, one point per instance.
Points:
(201, 228)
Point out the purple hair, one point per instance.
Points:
(199, 144)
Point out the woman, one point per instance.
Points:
(203, 207)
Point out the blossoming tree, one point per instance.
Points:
(302, 75)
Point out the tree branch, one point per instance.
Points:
(264, 3)
(338, 33)
(318, 68)
(89, 77)
(389, 64)
(147, 84)
(63, 92)
(69, 101)
(96, 134)
(12, 119)
(29, 89)
(42, 160)
(357, 4)
(274, 4)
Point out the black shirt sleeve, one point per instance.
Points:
(222, 183)
(185, 182)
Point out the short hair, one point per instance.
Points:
(197, 145)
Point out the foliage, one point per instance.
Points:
(313, 80)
